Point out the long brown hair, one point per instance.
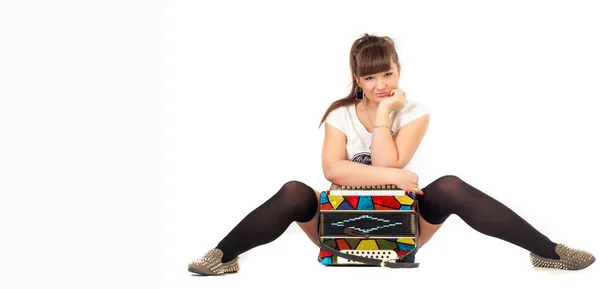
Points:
(369, 54)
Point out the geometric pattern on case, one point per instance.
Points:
(377, 222)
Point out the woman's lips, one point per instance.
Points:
(381, 94)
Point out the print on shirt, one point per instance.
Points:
(363, 158)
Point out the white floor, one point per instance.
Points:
(99, 133)
(472, 261)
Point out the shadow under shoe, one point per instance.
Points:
(210, 264)
(570, 259)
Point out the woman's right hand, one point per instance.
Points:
(408, 181)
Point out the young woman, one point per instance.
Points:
(370, 137)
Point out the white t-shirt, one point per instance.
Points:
(358, 145)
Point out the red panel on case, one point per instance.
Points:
(352, 200)
(388, 201)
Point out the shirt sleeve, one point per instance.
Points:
(338, 119)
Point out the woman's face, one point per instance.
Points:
(377, 86)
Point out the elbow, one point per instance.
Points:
(330, 175)
(329, 172)
(331, 178)
(401, 163)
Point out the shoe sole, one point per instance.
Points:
(198, 271)
(207, 272)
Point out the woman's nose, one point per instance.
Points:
(381, 84)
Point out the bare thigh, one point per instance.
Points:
(310, 227)
(427, 230)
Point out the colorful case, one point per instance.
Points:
(376, 222)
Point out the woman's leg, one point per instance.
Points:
(427, 230)
(310, 227)
(450, 195)
(294, 202)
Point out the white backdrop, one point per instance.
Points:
(513, 87)
(82, 144)
(135, 134)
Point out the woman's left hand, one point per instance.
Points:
(396, 100)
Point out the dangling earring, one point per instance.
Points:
(359, 94)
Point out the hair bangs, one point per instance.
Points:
(373, 59)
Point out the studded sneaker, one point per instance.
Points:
(570, 259)
(210, 264)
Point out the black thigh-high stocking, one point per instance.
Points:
(295, 201)
(451, 195)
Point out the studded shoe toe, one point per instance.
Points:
(570, 259)
(210, 264)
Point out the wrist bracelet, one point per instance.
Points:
(391, 131)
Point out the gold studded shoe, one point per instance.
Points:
(570, 259)
(210, 264)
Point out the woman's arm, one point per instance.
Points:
(340, 171)
(396, 151)
(348, 173)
